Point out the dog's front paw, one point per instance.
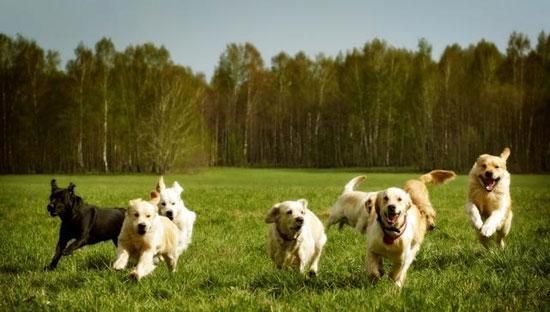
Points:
(135, 275)
(488, 229)
(312, 274)
(49, 268)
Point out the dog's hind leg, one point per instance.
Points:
(501, 233)
(172, 261)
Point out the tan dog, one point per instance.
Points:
(489, 204)
(400, 225)
(419, 192)
(353, 207)
(296, 237)
(145, 235)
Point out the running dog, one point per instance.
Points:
(402, 218)
(353, 208)
(81, 223)
(171, 205)
(489, 203)
(146, 235)
(296, 237)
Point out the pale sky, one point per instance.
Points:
(196, 32)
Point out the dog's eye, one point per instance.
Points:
(484, 166)
(148, 216)
(398, 198)
(173, 204)
(289, 212)
(136, 215)
(163, 203)
(386, 198)
(496, 167)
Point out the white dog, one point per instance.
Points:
(396, 234)
(296, 237)
(402, 218)
(353, 207)
(145, 235)
(171, 205)
(489, 204)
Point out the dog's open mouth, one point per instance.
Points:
(297, 227)
(488, 183)
(141, 231)
(392, 217)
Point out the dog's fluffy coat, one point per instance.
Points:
(296, 236)
(489, 204)
(145, 235)
(400, 225)
(171, 205)
(353, 208)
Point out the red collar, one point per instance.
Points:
(392, 234)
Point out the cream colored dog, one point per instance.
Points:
(489, 204)
(296, 237)
(402, 219)
(171, 205)
(145, 235)
(353, 208)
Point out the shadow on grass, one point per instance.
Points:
(98, 262)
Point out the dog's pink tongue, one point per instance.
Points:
(490, 186)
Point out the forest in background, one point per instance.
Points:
(135, 110)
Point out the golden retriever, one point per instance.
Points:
(400, 225)
(296, 236)
(489, 204)
(353, 207)
(144, 235)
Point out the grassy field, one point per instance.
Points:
(227, 267)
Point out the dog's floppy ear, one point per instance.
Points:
(155, 198)
(176, 186)
(505, 153)
(378, 201)
(160, 184)
(273, 214)
(368, 205)
(53, 183)
(71, 187)
(303, 202)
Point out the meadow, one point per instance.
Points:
(227, 266)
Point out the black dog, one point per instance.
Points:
(84, 223)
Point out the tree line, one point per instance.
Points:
(137, 111)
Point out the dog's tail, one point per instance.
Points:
(353, 183)
(437, 177)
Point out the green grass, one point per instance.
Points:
(227, 267)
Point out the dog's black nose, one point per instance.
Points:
(141, 228)
(489, 174)
(391, 208)
(299, 220)
(170, 214)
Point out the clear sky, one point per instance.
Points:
(196, 32)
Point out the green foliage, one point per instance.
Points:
(227, 266)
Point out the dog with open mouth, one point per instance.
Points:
(145, 235)
(354, 208)
(296, 236)
(171, 206)
(402, 218)
(489, 204)
(81, 224)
